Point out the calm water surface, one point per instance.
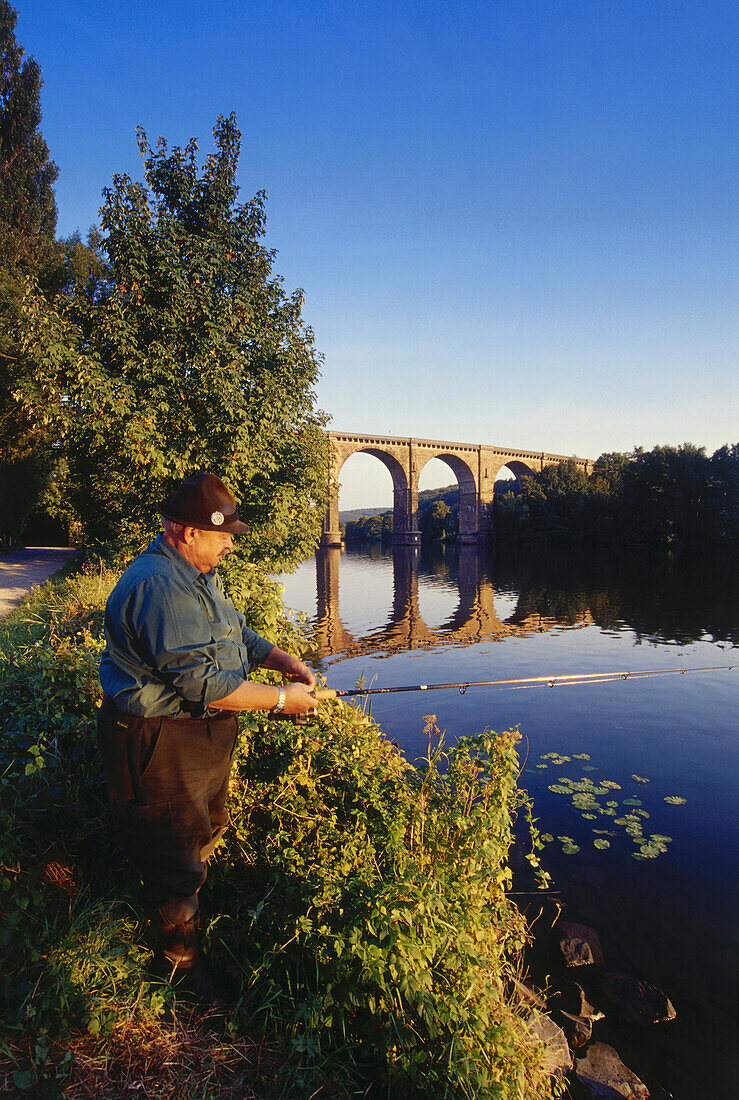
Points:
(403, 616)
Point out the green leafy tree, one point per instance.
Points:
(722, 496)
(182, 352)
(556, 498)
(27, 175)
(608, 473)
(29, 256)
(669, 497)
(664, 494)
(435, 521)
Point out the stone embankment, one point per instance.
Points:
(22, 570)
(565, 1018)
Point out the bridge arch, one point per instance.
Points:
(466, 479)
(391, 464)
(518, 469)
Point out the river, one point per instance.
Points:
(651, 859)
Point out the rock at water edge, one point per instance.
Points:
(580, 945)
(578, 1029)
(526, 994)
(636, 1001)
(605, 1076)
(557, 1059)
(572, 999)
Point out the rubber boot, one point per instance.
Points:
(179, 945)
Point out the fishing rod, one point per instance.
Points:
(565, 680)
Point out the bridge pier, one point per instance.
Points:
(405, 538)
(331, 538)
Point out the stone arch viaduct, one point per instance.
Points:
(475, 466)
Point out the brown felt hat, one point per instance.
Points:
(203, 501)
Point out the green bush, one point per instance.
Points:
(359, 903)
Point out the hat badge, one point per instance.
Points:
(216, 518)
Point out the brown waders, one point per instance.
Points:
(167, 787)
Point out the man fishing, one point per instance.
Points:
(175, 673)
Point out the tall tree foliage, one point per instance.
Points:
(669, 498)
(28, 252)
(184, 354)
(27, 175)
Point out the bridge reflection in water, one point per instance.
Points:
(474, 620)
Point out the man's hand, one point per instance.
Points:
(298, 701)
(291, 668)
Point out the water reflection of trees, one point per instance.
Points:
(665, 600)
(679, 600)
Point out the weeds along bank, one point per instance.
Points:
(358, 903)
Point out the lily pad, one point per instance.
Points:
(633, 802)
(650, 850)
(581, 799)
(640, 778)
(675, 800)
(581, 756)
(601, 842)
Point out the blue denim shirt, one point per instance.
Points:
(175, 641)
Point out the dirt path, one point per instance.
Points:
(21, 570)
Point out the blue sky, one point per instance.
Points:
(515, 222)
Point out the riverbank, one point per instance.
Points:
(668, 913)
(358, 905)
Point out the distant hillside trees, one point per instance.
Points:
(370, 528)
(438, 511)
(181, 351)
(438, 522)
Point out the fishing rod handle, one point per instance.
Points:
(325, 693)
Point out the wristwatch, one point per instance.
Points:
(280, 704)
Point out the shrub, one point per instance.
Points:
(359, 903)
